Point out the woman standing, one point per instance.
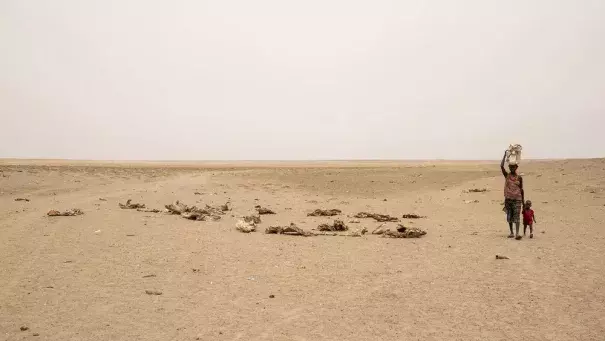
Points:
(514, 196)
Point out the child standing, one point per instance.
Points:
(528, 219)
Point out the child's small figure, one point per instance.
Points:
(528, 219)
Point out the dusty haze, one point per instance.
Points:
(191, 80)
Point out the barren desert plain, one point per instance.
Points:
(123, 274)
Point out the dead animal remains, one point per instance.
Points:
(149, 210)
(412, 216)
(378, 217)
(477, 190)
(263, 210)
(357, 233)
(195, 213)
(338, 225)
(405, 232)
(68, 213)
(245, 227)
(248, 224)
(177, 208)
(254, 219)
(292, 230)
(380, 229)
(324, 213)
(130, 206)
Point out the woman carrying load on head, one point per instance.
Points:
(514, 196)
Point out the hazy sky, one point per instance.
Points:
(312, 79)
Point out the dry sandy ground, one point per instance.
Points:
(83, 277)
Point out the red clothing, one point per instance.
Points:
(528, 217)
(512, 187)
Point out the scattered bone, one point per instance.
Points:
(357, 233)
(501, 257)
(412, 216)
(471, 201)
(153, 292)
(130, 206)
(381, 229)
(263, 210)
(22, 199)
(378, 217)
(354, 221)
(338, 225)
(245, 227)
(405, 232)
(324, 213)
(290, 230)
(149, 276)
(68, 213)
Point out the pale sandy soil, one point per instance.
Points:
(82, 278)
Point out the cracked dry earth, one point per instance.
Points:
(116, 274)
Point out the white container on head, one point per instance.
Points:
(514, 154)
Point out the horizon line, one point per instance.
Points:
(4, 159)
